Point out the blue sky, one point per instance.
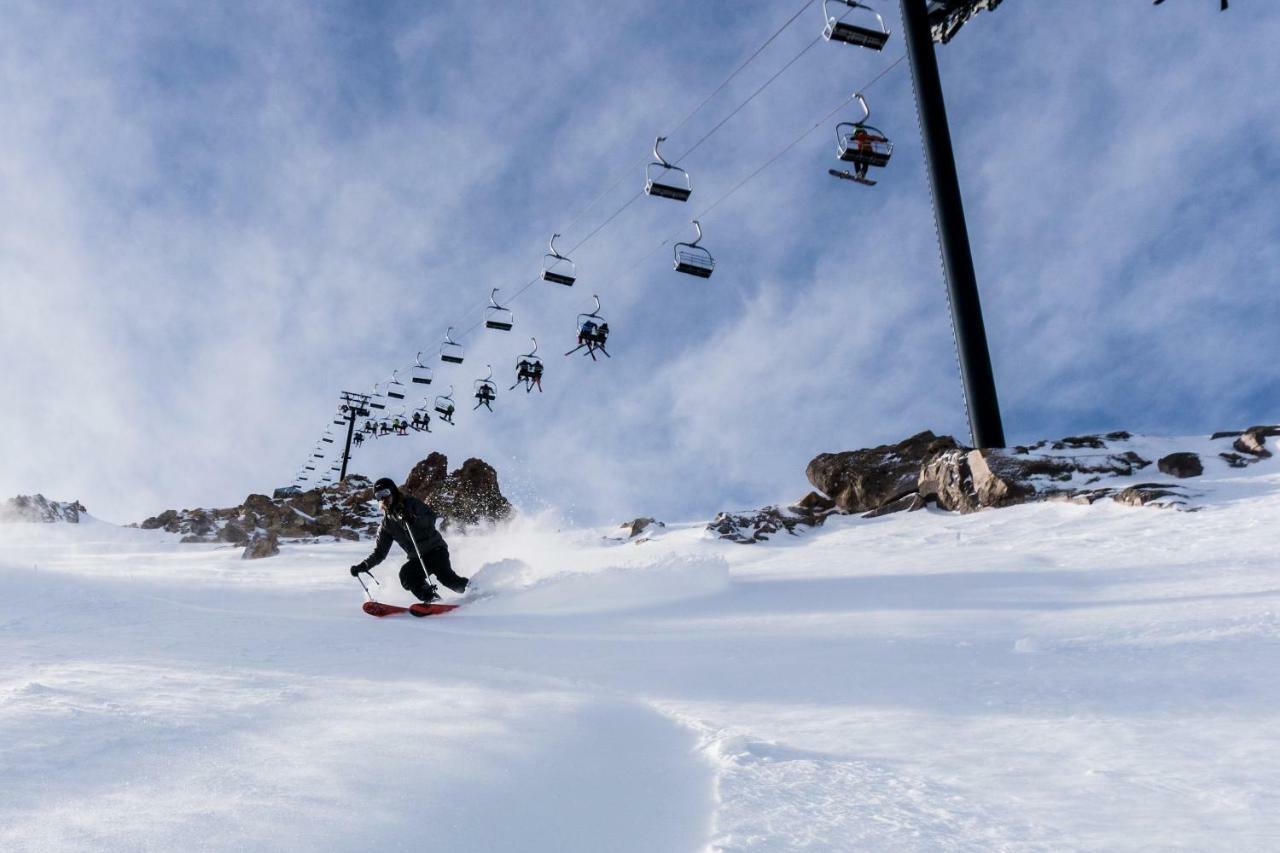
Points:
(218, 216)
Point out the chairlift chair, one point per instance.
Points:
(444, 406)
(593, 333)
(377, 397)
(450, 350)
(529, 369)
(419, 373)
(557, 268)
(422, 418)
(862, 145)
(670, 181)
(860, 35)
(327, 440)
(308, 467)
(395, 388)
(693, 259)
(485, 391)
(497, 317)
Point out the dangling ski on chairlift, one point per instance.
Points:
(486, 391)
(450, 350)
(862, 145)
(497, 317)
(693, 259)
(861, 35)
(529, 370)
(593, 333)
(557, 268)
(670, 181)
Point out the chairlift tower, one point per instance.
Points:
(923, 22)
(356, 406)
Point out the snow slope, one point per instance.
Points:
(1048, 677)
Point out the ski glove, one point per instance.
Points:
(357, 569)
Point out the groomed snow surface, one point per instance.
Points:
(1048, 677)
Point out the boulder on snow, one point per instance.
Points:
(40, 510)
(1181, 465)
(260, 546)
(863, 480)
(1253, 441)
(637, 526)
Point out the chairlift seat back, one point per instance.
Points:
(670, 191)
(558, 278)
(856, 35)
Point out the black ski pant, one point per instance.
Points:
(413, 574)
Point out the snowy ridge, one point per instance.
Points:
(1049, 676)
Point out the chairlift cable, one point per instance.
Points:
(622, 175)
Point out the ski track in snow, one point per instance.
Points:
(1048, 677)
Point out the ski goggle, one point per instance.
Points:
(382, 494)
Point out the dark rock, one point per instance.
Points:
(747, 528)
(1000, 480)
(233, 533)
(816, 502)
(639, 525)
(946, 480)
(1181, 465)
(906, 503)
(1118, 435)
(1253, 442)
(163, 521)
(262, 545)
(1151, 494)
(468, 496)
(428, 476)
(1075, 442)
(1235, 460)
(863, 480)
(38, 509)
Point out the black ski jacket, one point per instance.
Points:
(410, 518)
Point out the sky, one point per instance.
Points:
(216, 217)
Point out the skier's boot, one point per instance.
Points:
(427, 593)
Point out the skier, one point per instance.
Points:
(412, 524)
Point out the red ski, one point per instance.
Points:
(377, 608)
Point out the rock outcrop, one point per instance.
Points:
(930, 469)
(344, 510)
(39, 509)
(468, 496)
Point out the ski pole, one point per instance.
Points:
(366, 588)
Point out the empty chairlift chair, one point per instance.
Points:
(419, 373)
(693, 259)
(859, 29)
(558, 269)
(666, 180)
(450, 350)
(497, 317)
(395, 388)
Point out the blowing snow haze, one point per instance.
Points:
(218, 217)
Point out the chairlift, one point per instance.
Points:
(557, 268)
(485, 391)
(395, 388)
(593, 332)
(451, 351)
(693, 259)
(308, 467)
(420, 374)
(862, 145)
(671, 182)
(421, 419)
(529, 369)
(444, 406)
(497, 317)
(858, 34)
(327, 440)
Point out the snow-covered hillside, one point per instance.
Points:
(1045, 677)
